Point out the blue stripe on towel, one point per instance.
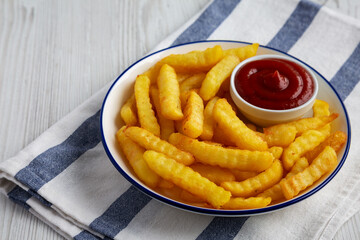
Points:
(19, 196)
(53, 161)
(222, 228)
(295, 26)
(348, 75)
(40, 198)
(208, 21)
(120, 213)
(85, 235)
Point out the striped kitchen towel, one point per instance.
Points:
(65, 178)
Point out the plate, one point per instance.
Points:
(122, 88)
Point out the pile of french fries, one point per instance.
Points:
(184, 137)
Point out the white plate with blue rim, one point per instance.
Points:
(121, 89)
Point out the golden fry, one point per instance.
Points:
(235, 129)
(224, 88)
(250, 187)
(321, 108)
(213, 173)
(220, 137)
(247, 203)
(182, 77)
(276, 151)
(308, 141)
(134, 154)
(326, 161)
(192, 124)
(151, 142)
(167, 126)
(305, 124)
(196, 61)
(275, 192)
(173, 193)
(145, 112)
(243, 52)
(152, 73)
(279, 135)
(186, 178)
(214, 155)
(128, 111)
(217, 75)
(242, 175)
(189, 197)
(208, 128)
(165, 183)
(169, 93)
(336, 140)
(193, 82)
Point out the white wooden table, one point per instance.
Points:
(55, 54)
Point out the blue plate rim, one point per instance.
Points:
(222, 212)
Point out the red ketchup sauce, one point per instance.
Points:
(274, 84)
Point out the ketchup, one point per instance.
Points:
(274, 84)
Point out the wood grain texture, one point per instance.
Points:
(56, 54)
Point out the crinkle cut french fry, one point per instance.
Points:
(196, 61)
(208, 128)
(279, 135)
(128, 111)
(149, 141)
(235, 129)
(243, 175)
(178, 126)
(220, 137)
(224, 157)
(276, 133)
(252, 186)
(193, 82)
(173, 192)
(217, 75)
(326, 161)
(186, 178)
(321, 108)
(192, 124)
(213, 173)
(282, 134)
(165, 183)
(152, 73)
(247, 203)
(276, 151)
(275, 191)
(306, 142)
(169, 93)
(167, 126)
(134, 154)
(146, 114)
(243, 52)
(182, 77)
(336, 140)
(225, 87)
(189, 197)
(305, 124)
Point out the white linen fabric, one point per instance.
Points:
(56, 177)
